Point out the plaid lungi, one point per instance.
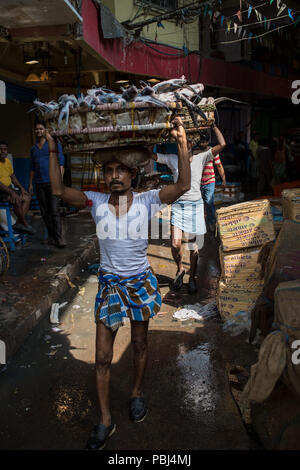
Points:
(136, 297)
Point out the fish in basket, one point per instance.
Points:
(105, 119)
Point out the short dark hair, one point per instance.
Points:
(41, 122)
(204, 136)
(3, 142)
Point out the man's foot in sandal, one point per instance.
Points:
(99, 436)
(192, 286)
(137, 409)
(178, 281)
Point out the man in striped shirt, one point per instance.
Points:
(208, 180)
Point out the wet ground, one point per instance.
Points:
(30, 283)
(48, 393)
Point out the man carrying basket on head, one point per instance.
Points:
(127, 284)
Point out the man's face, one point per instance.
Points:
(3, 151)
(118, 177)
(39, 130)
(202, 144)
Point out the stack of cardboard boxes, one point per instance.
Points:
(243, 228)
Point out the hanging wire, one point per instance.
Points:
(254, 37)
(161, 52)
(246, 11)
(258, 22)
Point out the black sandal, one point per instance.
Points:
(137, 409)
(178, 281)
(99, 436)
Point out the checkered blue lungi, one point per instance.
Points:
(136, 297)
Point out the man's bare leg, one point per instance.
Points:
(195, 244)
(20, 209)
(194, 254)
(26, 204)
(176, 239)
(104, 353)
(139, 331)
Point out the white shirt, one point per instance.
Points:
(197, 164)
(123, 240)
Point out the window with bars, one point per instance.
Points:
(162, 4)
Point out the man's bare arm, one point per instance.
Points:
(17, 183)
(222, 173)
(221, 141)
(172, 192)
(71, 196)
(13, 197)
(30, 186)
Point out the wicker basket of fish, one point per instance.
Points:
(106, 119)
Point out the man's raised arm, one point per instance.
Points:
(221, 141)
(71, 196)
(172, 192)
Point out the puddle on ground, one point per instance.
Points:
(198, 378)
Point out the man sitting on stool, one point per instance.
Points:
(19, 198)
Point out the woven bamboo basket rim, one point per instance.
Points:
(111, 107)
(128, 128)
(132, 105)
(82, 147)
(191, 130)
(113, 129)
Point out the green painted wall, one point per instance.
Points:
(176, 36)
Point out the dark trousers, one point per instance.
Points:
(49, 206)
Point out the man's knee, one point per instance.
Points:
(17, 203)
(27, 198)
(139, 344)
(176, 244)
(103, 360)
(195, 244)
(194, 252)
